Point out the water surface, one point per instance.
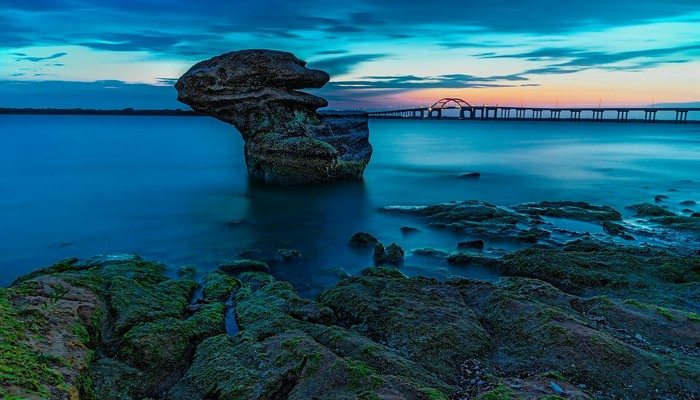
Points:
(175, 188)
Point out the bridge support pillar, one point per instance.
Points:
(537, 115)
(555, 115)
(622, 116)
(575, 115)
(681, 116)
(649, 116)
(597, 115)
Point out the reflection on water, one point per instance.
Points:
(175, 189)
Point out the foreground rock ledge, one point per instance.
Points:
(115, 327)
(286, 140)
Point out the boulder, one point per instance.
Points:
(363, 239)
(286, 140)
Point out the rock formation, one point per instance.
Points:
(286, 140)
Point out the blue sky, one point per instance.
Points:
(381, 54)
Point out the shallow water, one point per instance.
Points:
(175, 189)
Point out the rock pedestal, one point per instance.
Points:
(286, 140)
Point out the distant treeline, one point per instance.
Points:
(87, 111)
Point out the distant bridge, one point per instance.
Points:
(468, 111)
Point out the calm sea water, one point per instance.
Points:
(175, 189)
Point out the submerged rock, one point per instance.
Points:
(239, 266)
(650, 210)
(286, 141)
(576, 210)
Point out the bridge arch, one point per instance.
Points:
(450, 102)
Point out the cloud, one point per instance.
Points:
(412, 82)
(580, 60)
(343, 64)
(167, 81)
(24, 57)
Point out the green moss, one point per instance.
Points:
(555, 375)
(81, 332)
(434, 394)
(693, 317)
(219, 286)
(165, 343)
(501, 392)
(667, 314)
(135, 301)
(22, 368)
(361, 375)
(635, 303)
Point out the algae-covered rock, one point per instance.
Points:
(70, 332)
(219, 286)
(650, 210)
(286, 141)
(475, 217)
(45, 337)
(286, 351)
(583, 266)
(536, 327)
(402, 314)
(576, 210)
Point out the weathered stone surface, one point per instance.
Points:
(286, 141)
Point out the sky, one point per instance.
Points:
(380, 54)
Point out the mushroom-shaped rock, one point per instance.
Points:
(286, 140)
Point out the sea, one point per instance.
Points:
(175, 189)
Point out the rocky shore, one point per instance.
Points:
(572, 317)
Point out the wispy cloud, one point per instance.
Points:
(24, 57)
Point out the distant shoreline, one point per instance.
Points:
(87, 111)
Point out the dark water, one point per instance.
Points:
(175, 189)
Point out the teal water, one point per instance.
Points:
(175, 189)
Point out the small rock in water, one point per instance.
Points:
(287, 254)
(233, 224)
(393, 254)
(430, 252)
(239, 266)
(363, 239)
(408, 229)
(471, 175)
(659, 198)
(639, 337)
(557, 389)
(688, 203)
(695, 215)
(471, 244)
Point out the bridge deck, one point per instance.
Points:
(536, 113)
